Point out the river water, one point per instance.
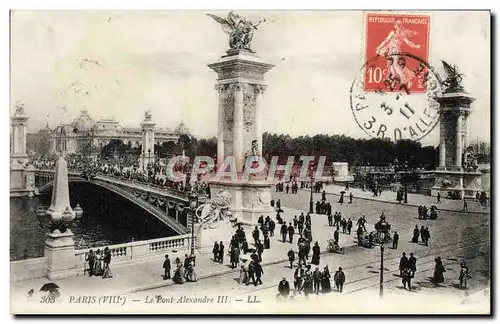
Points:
(107, 219)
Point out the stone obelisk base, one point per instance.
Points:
(60, 255)
(249, 199)
(466, 183)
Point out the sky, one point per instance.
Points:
(157, 60)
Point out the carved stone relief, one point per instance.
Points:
(249, 104)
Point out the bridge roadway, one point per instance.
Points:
(158, 201)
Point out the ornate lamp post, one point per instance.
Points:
(193, 204)
(382, 238)
(311, 202)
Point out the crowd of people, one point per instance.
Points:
(98, 263)
(183, 272)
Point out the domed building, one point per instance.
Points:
(85, 132)
(182, 129)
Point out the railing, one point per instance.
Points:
(140, 250)
(155, 211)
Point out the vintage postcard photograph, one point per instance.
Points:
(250, 162)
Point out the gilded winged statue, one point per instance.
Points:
(453, 82)
(240, 29)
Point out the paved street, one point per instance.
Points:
(454, 237)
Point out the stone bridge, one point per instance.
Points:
(168, 205)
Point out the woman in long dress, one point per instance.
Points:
(107, 261)
(178, 274)
(98, 263)
(190, 273)
(438, 271)
(243, 274)
(326, 287)
(315, 256)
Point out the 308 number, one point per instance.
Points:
(48, 299)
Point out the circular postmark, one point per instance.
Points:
(402, 104)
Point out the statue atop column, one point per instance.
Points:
(147, 115)
(453, 81)
(240, 30)
(19, 109)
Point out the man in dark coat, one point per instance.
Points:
(350, 197)
(166, 267)
(291, 257)
(427, 236)
(297, 277)
(336, 236)
(403, 264)
(215, 251)
(330, 220)
(316, 280)
(339, 279)
(267, 242)
(406, 278)
(308, 219)
(283, 231)
(187, 261)
(412, 265)
(349, 226)
(323, 195)
(343, 223)
(272, 226)
(291, 231)
(91, 260)
(258, 274)
(221, 252)
(251, 272)
(260, 249)
(256, 234)
(395, 240)
(284, 288)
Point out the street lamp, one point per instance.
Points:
(382, 238)
(311, 203)
(193, 203)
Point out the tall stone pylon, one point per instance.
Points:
(60, 192)
(60, 259)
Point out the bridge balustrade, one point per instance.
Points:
(139, 251)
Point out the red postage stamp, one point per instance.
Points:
(387, 36)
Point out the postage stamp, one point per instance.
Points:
(394, 98)
(388, 36)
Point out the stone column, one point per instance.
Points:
(220, 128)
(442, 152)
(459, 144)
(260, 89)
(238, 126)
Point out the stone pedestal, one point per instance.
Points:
(241, 85)
(60, 255)
(454, 110)
(249, 199)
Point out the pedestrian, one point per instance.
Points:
(260, 250)
(258, 274)
(339, 279)
(291, 231)
(91, 260)
(166, 267)
(244, 274)
(416, 234)
(302, 253)
(297, 276)
(330, 220)
(323, 195)
(220, 258)
(464, 275)
(326, 287)
(350, 197)
(316, 280)
(316, 254)
(412, 265)
(283, 231)
(427, 236)
(439, 269)
(235, 257)
(187, 259)
(349, 226)
(272, 226)
(215, 251)
(251, 272)
(336, 236)
(406, 278)
(466, 208)
(403, 264)
(106, 261)
(395, 240)
(438, 197)
(291, 257)
(307, 286)
(267, 242)
(283, 289)
(256, 235)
